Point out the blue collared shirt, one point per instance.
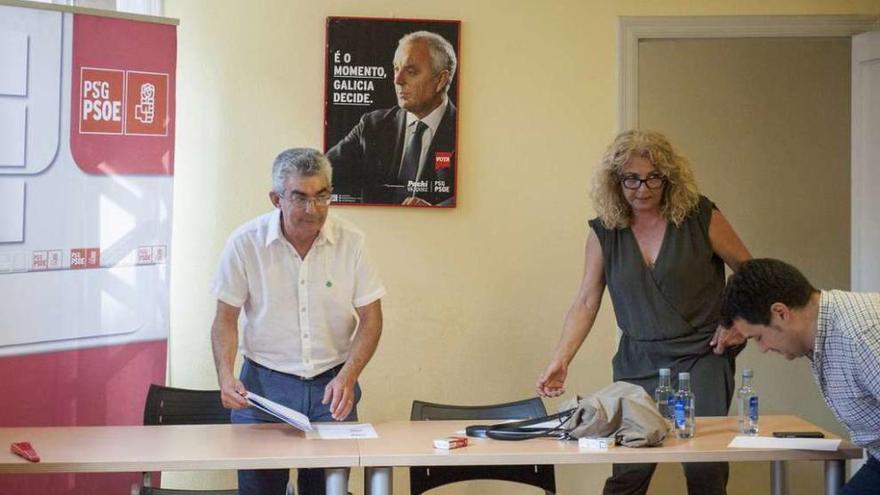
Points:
(846, 362)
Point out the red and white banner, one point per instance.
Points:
(86, 174)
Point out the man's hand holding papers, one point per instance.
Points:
(286, 414)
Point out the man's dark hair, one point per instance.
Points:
(757, 285)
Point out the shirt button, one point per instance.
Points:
(302, 282)
(305, 335)
(303, 309)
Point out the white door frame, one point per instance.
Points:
(631, 30)
(865, 272)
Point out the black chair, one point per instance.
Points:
(148, 490)
(178, 406)
(424, 478)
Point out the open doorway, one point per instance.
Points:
(761, 106)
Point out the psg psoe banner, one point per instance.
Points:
(391, 110)
(86, 169)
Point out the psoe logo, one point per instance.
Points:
(124, 102)
(146, 109)
(146, 104)
(102, 93)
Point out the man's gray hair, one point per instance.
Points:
(442, 53)
(302, 162)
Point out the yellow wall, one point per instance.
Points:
(476, 294)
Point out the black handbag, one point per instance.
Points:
(525, 429)
(620, 410)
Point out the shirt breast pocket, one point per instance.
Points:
(334, 284)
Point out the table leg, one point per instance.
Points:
(778, 478)
(834, 476)
(378, 480)
(337, 481)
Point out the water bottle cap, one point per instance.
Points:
(664, 371)
(684, 375)
(748, 373)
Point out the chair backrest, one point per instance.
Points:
(147, 490)
(424, 478)
(522, 409)
(178, 406)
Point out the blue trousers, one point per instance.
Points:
(298, 394)
(866, 481)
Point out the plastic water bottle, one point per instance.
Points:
(664, 395)
(747, 403)
(684, 417)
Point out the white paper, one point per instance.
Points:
(342, 431)
(749, 442)
(286, 414)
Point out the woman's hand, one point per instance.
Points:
(551, 382)
(726, 337)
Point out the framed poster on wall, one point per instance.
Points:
(391, 110)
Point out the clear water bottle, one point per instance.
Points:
(664, 395)
(684, 417)
(747, 404)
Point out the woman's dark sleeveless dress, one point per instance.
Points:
(669, 313)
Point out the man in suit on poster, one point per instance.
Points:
(406, 154)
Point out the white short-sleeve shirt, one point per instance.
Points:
(298, 313)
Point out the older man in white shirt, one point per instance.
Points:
(312, 310)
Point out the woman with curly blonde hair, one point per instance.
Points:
(660, 247)
(679, 194)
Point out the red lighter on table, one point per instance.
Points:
(26, 450)
(449, 443)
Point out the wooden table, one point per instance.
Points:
(408, 443)
(84, 449)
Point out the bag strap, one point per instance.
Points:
(519, 430)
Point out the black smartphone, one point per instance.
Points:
(798, 434)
